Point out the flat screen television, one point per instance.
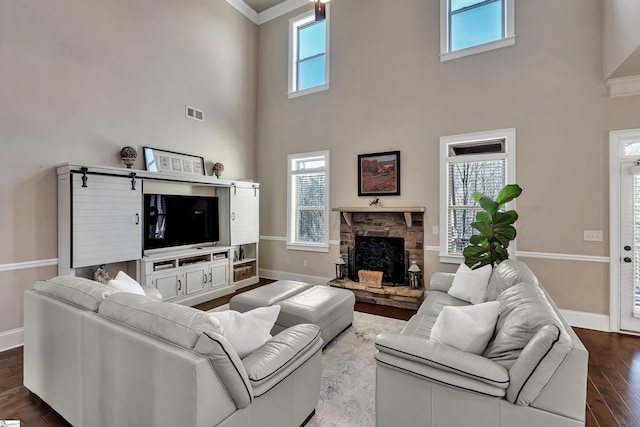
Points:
(174, 220)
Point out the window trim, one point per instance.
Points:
(296, 246)
(509, 137)
(508, 39)
(295, 23)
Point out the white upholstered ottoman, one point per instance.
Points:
(329, 308)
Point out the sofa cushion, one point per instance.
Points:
(470, 285)
(537, 364)
(249, 330)
(123, 282)
(524, 310)
(84, 293)
(174, 323)
(227, 365)
(506, 274)
(435, 301)
(466, 328)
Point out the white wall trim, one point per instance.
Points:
(245, 9)
(28, 264)
(563, 257)
(11, 339)
(624, 86)
(582, 319)
(547, 255)
(283, 275)
(280, 9)
(269, 14)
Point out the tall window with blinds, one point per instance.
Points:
(481, 162)
(308, 194)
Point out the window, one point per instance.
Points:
(473, 26)
(483, 162)
(308, 54)
(307, 197)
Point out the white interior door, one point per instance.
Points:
(625, 243)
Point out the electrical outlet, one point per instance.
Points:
(435, 229)
(593, 235)
(305, 263)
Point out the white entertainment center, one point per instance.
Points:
(101, 215)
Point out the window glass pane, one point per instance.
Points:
(311, 40)
(461, 4)
(310, 190)
(476, 26)
(311, 72)
(632, 149)
(487, 177)
(310, 164)
(311, 226)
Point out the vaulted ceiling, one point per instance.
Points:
(260, 5)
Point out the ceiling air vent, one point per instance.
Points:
(195, 114)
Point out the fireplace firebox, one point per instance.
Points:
(385, 254)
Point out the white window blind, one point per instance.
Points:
(308, 194)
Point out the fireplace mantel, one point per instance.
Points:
(346, 212)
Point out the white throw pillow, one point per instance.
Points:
(470, 285)
(466, 328)
(126, 284)
(247, 331)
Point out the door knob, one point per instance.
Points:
(627, 248)
(627, 259)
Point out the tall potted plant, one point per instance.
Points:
(495, 229)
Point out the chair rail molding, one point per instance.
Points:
(28, 264)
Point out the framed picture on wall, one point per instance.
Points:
(156, 160)
(379, 174)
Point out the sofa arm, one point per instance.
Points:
(442, 363)
(441, 281)
(152, 293)
(281, 355)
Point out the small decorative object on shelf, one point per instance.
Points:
(128, 155)
(375, 203)
(217, 169)
(415, 276)
(340, 268)
(101, 275)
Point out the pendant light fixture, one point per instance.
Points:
(319, 6)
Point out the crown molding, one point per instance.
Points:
(269, 14)
(281, 9)
(245, 9)
(624, 86)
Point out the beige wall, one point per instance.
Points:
(81, 79)
(621, 38)
(389, 91)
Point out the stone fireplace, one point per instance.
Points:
(386, 240)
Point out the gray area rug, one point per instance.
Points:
(347, 393)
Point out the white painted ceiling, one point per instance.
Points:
(260, 5)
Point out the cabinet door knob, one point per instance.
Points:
(179, 285)
(205, 277)
(210, 278)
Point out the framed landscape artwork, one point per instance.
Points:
(379, 174)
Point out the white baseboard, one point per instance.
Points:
(581, 319)
(283, 275)
(11, 339)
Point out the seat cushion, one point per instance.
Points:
(435, 301)
(319, 305)
(267, 295)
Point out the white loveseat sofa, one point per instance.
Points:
(533, 372)
(100, 357)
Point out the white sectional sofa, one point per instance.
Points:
(100, 357)
(532, 373)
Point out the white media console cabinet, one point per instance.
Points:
(100, 221)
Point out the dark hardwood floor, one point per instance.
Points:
(613, 386)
